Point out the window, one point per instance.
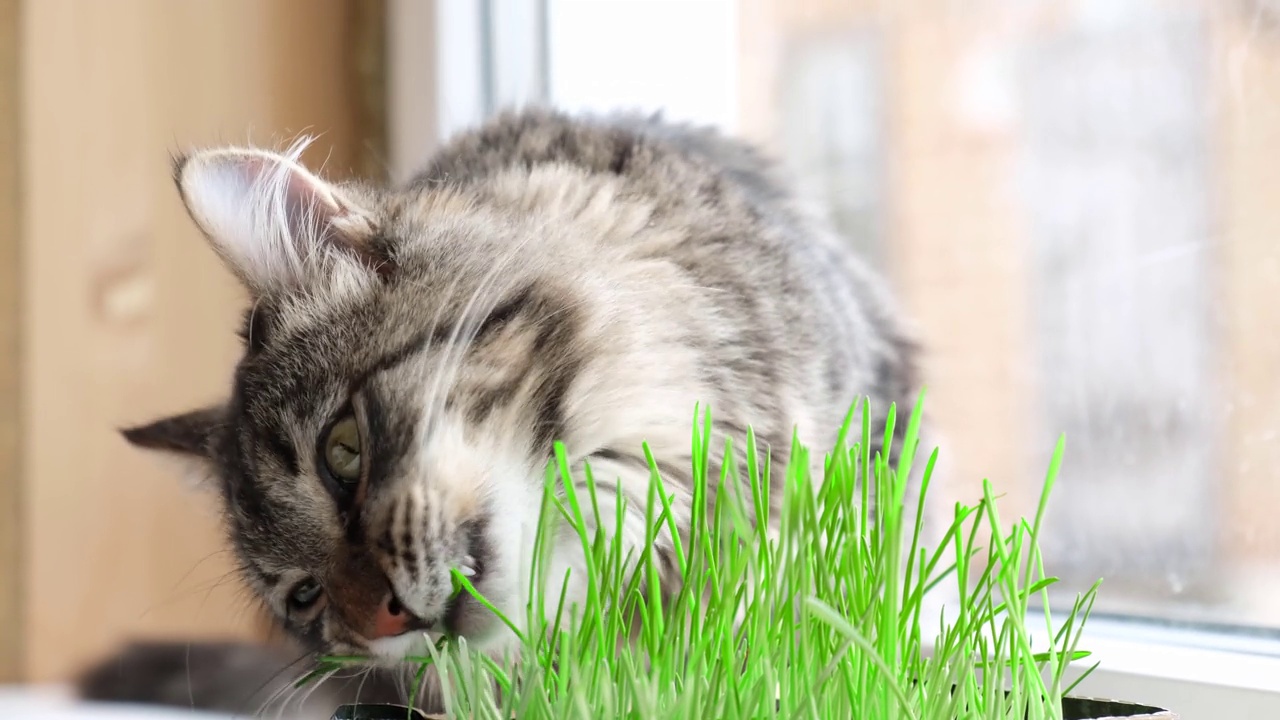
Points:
(1076, 202)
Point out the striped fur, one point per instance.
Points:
(546, 278)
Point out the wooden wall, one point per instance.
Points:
(10, 409)
(123, 311)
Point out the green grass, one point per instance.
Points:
(823, 619)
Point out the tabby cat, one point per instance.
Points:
(412, 353)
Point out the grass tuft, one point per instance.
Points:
(821, 618)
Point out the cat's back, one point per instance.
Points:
(790, 319)
(666, 160)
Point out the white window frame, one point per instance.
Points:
(451, 63)
(438, 88)
(493, 54)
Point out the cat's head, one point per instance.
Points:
(405, 371)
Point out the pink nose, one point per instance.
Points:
(392, 619)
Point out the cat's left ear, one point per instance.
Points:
(188, 434)
(276, 224)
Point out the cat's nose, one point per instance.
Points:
(393, 619)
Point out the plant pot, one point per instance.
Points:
(377, 711)
(1072, 709)
(1091, 709)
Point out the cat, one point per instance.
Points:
(412, 353)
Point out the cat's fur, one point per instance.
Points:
(546, 278)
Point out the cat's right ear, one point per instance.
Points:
(277, 225)
(188, 434)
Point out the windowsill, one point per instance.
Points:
(1199, 675)
(1182, 655)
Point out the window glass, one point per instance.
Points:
(1076, 203)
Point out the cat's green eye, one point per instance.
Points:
(342, 451)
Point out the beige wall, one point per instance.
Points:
(10, 385)
(125, 314)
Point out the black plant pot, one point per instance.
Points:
(1091, 709)
(370, 711)
(1072, 709)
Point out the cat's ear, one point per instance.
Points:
(275, 223)
(187, 434)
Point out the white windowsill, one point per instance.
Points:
(1199, 675)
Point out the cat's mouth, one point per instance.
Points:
(414, 632)
(472, 567)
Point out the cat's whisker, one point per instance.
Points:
(273, 678)
(435, 323)
(397, 681)
(309, 691)
(364, 677)
(466, 319)
(196, 565)
(281, 689)
(300, 693)
(449, 363)
(455, 351)
(207, 587)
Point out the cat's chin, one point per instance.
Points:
(390, 651)
(412, 647)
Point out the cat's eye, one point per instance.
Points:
(304, 594)
(342, 451)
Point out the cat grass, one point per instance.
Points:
(823, 619)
